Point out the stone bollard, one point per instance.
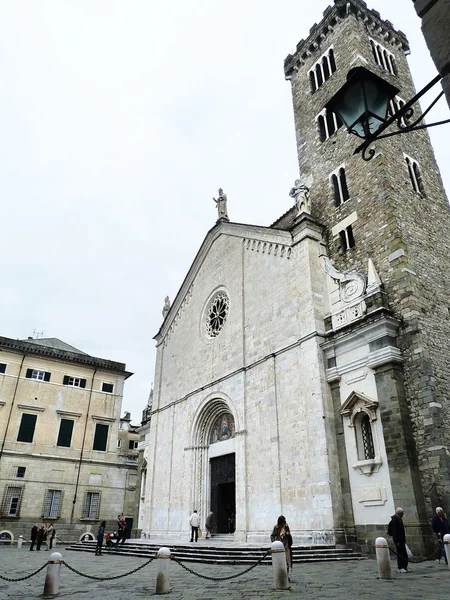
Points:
(19, 542)
(280, 574)
(383, 558)
(447, 547)
(51, 585)
(162, 571)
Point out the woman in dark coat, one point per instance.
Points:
(100, 534)
(282, 533)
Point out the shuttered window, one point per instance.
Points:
(27, 427)
(52, 504)
(65, 433)
(91, 507)
(38, 375)
(101, 437)
(12, 499)
(2, 368)
(74, 381)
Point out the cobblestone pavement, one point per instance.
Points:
(337, 580)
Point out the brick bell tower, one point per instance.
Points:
(394, 210)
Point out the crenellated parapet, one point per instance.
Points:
(319, 34)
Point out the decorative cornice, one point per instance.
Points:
(319, 33)
(29, 407)
(68, 413)
(101, 418)
(28, 348)
(280, 250)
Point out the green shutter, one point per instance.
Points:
(101, 437)
(65, 433)
(47, 376)
(82, 383)
(26, 429)
(2, 368)
(66, 380)
(29, 373)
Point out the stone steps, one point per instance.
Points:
(222, 554)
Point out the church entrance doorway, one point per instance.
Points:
(223, 492)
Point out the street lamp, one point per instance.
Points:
(363, 104)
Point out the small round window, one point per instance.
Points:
(216, 314)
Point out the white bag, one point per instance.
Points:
(408, 551)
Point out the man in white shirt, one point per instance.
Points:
(194, 521)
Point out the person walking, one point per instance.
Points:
(209, 525)
(33, 536)
(100, 534)
(40, 537)
(194, 521)
(397, 530)
(121, 526)
(441, 527)
(282, 533)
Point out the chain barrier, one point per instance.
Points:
(220, 578)
(108, 578)
(26, 576)
(420, 559)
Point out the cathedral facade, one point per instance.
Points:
(301, 369)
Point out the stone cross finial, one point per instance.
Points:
(221, 203)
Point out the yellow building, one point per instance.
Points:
(61, 459)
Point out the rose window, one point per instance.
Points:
(216, 315)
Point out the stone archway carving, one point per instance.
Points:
(216, 408)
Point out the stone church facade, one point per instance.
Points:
(301, 369)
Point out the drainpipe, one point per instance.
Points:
(82, 446)
(12, 406)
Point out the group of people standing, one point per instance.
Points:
(40, 534)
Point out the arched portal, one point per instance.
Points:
(213, 438)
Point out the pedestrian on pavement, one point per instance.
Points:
(209, 525)
(33, 536)
(100, 534)
(50, 532)
(194, 521)
(40, 537)
(282, 533)
(440, 526)
(396, 529)
(121, 526)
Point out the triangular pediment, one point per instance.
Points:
(257, 238)
(357, 402)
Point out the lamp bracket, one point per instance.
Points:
(403, 115)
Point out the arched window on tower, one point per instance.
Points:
(326, 68)
(415, 175)
(339, 185)
(322, 70)
(312, 81)
(383, 57)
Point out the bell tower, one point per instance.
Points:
(394, 210)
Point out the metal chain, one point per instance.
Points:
(419, 560)
(220, 578)
(108, 578)
(26, 576)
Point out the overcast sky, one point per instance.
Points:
(118, 123)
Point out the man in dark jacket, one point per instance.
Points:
(440, 526)
(397, 530)
(34, 531)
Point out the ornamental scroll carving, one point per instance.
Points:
(352, 285)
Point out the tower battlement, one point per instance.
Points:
(319, 33)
